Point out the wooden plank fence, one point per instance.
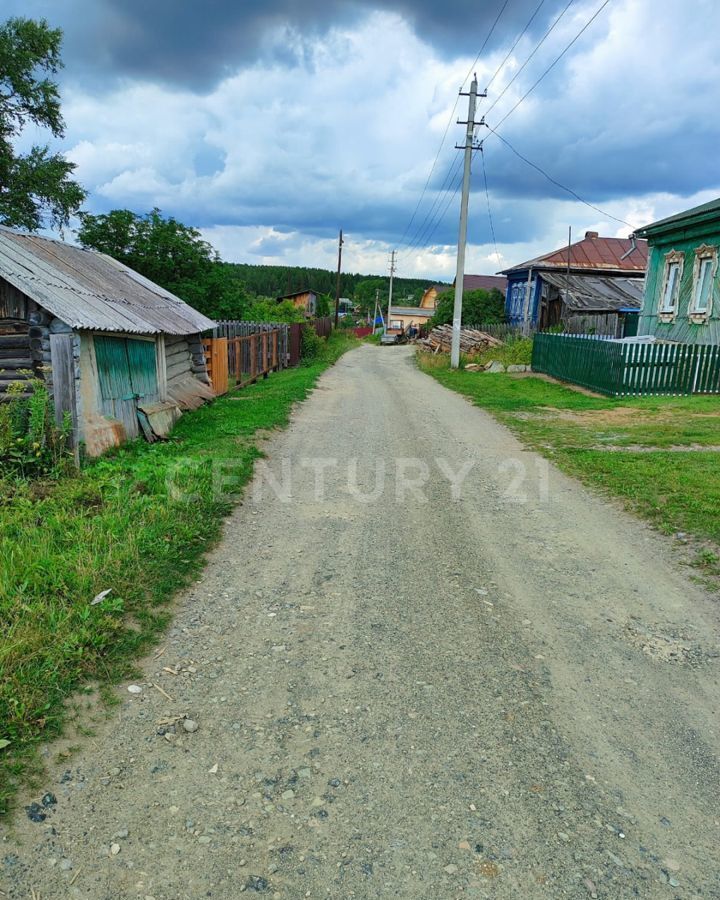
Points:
(628, 369)
(243, 359)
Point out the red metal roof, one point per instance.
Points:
(593, 253)
(485, 283)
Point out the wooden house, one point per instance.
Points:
(682, 299)
(417, 315)
(305, 300)
(538, 292)
(120, 354)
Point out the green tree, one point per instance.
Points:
(479, 308)
(35, 187)
(171, 254)
(367, 290)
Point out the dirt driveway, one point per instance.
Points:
(467, 678)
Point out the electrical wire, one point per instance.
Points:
(553, 63)
(487, 197)
(427, 222)
(555, 181)
(517, 41)
(447, 127)
(523, 66)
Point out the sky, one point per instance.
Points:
(270, 124)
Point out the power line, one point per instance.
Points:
(487, 196)
(452, 114)
(517, 41)
(555, 181)
(523, 66)
(427, 221)
(554, 62)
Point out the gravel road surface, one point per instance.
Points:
(413, 686)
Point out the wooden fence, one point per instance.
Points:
(323, 327)
(622, 369)
(239, 353)
(233, 329)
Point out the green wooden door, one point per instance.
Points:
(127, 372)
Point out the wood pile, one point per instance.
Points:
(471, 341)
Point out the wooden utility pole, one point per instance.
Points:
(462, 234)
(337, 283)
(390, 292)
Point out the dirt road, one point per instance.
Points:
(491, 687)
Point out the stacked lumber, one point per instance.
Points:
(471, 341)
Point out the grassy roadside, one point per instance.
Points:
(654, 453)
(116, 525)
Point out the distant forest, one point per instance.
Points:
(274, 281)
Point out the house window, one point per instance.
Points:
(703, 275)
(671, 285)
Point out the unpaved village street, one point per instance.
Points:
(512, 692)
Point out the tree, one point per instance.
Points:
(171, 254)
(367, 290)
(36, 186)
(479, 308)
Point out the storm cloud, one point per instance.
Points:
(270, 126)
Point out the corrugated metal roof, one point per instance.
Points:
(593, 252)
(485, 283)
(597, 293)
(424, 312)
(89, 290)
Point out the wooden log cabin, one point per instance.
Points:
(121, 355)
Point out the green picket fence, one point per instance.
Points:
(628, 369)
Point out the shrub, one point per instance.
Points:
(31, 444)
(310, 343)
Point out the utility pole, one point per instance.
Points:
(377, 300)
(337, 283)
(392, 275)
(462, 235)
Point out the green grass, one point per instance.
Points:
(115, 525)
(621, 446)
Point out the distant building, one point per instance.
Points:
(121, 355)
(418, 315)
(681, 295)
(306, 300)
(600, 270)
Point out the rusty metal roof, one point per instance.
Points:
(597, 293)
(89, 290)
(485, 283)
(595, 253)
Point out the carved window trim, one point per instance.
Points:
(669, 314)
(702, 253)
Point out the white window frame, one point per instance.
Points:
(669, 313)
(704, 253)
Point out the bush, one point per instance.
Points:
(310, 344)
(31, 444)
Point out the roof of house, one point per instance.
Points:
(706, 211)
(593, 252)
(424, 312)
(296, 294)
(597, 293)
(484, 282)
(89, 290)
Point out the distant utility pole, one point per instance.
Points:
(377, 300)
(392, 275)
(337, 283)
(462, 235)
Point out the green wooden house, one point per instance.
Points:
(682, 293)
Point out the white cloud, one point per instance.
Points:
(274, 159)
